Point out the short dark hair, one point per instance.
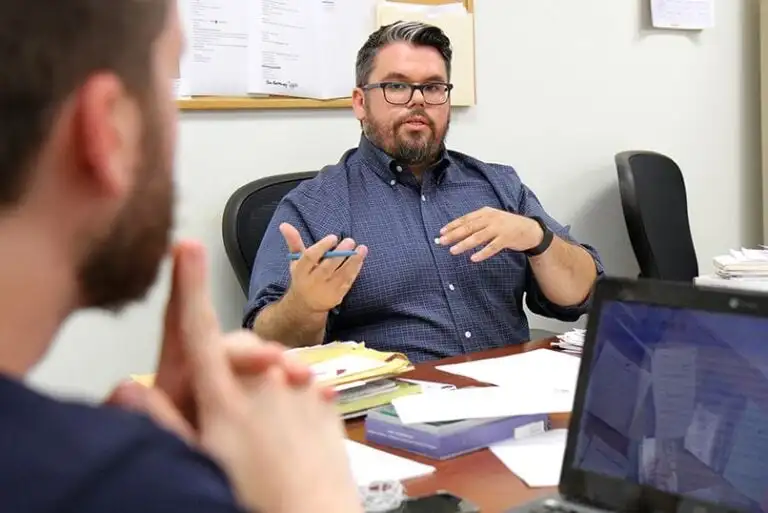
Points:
(413, 32)
(48, 48)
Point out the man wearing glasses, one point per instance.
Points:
(445, 246)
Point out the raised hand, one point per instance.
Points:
(318, 284)
(493, 229)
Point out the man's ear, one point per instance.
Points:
(108, 131)
(358, 103)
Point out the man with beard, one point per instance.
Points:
(87, 136)
(451, 244)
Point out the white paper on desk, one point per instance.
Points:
(683, 14)
(480, 403)
(541, 369)
(369, 464)
(537, 460)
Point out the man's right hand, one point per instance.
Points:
(318, 284)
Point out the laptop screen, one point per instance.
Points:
(677, 400)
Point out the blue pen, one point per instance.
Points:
(328, 254)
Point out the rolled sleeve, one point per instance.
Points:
(270, 275)
(535, 298)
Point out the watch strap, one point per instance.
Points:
(546, 240)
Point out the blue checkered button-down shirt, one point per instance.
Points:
(412, 295)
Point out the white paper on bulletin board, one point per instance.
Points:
(683, 14)
(458, 25)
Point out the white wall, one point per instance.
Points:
(562, 87)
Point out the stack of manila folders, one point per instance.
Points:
(363, 378)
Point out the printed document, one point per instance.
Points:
(537, 460)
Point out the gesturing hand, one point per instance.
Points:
(496, 229)
(319, 284)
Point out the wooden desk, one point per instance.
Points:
(479, 476)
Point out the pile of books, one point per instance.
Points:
(364, 378)
(448, 439)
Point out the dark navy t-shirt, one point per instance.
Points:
(66, 457)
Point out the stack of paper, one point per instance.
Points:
(540, 370)
(364, 378)
(572, 341)
(744, 263)
(480, 403)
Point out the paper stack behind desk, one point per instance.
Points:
(572, 341)
(743, 264)
(364, 378)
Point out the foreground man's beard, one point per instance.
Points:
(123, 265)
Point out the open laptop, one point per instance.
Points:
(671, 406)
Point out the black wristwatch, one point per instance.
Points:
(546, 240)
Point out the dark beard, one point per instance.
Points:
(121, 266)
(407, 151)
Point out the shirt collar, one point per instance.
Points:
(387, 168)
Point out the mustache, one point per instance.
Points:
(414, 114)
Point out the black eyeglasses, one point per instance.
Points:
(400, 93)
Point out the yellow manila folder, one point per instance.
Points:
(338, 363)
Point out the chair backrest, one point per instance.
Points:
(656, 213)
(247, 215)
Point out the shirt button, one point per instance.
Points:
(451, 287)
(398, 169)
(437, 240)
(423, 198)
(468, 334)
(392, 182)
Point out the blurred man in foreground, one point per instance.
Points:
(87, 133)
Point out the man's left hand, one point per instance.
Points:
(496, 229)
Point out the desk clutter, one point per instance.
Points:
(445, 423)
(439, 421)
(743, 269)
(571, 341)
(363, 378)
(743, 263)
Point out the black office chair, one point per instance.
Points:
(656, 213)
(247, 215)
